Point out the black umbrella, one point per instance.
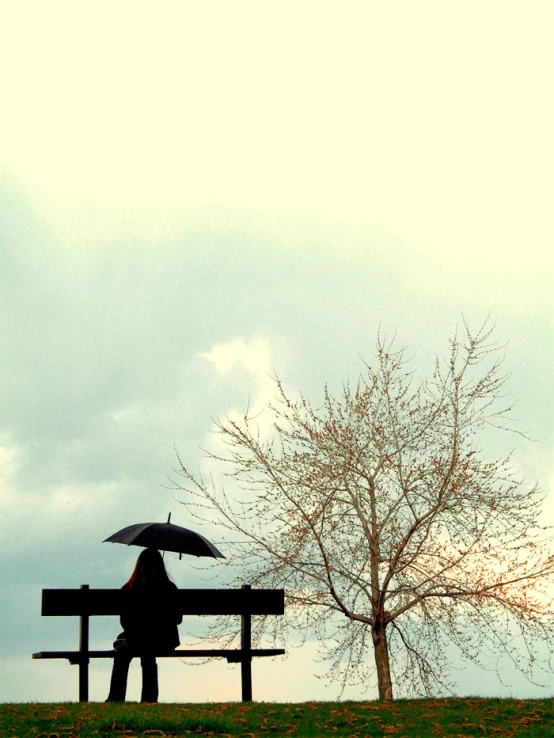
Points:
(166, 537)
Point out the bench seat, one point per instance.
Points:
(233, 655)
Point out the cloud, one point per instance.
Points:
(255, 357)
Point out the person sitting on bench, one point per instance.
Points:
(148, 630)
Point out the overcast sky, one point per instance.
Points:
(193, 194)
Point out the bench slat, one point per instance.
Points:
(189, 601)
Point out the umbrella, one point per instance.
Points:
(166, 537)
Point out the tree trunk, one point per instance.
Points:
(381, 650)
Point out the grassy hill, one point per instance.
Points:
(414, 718)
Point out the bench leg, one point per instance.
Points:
(83, 647)
(246, 679)
(83, 681)
(246, 661)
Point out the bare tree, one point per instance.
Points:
(387, 525)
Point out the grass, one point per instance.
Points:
(412, 718)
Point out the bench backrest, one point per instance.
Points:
(86, 601)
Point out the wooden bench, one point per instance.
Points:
(86, 602)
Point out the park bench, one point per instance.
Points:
(86, 602)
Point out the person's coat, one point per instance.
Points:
(152, 626)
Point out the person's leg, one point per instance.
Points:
(149, 678)
(120, 670)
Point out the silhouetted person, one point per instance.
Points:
(149, 628)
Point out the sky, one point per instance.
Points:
(193, 195)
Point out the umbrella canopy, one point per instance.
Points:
(166, 537)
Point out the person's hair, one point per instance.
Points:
(149, 571)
